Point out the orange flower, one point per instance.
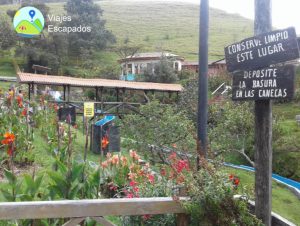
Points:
(132, 176)
(115, 160)
(124, 161)
(10, 151)
(9, 138)
(180, 179)
(131, 167)
(24, 112)
(105, 142)
(104, 164)
(134, 155)
(236, 181)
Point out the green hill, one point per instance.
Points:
(172, 27)
(168, 26)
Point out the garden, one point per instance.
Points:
(43, 158)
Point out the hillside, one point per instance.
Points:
(172, 26)
(165, 25)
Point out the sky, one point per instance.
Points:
(286, 13)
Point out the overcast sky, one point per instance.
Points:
(286, 13)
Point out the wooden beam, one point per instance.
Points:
(89, 208)
(74, 221)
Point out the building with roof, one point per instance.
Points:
(214, 67)
(136, 64)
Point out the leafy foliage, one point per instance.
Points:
(161, 72)
(231, 129)
(212, 199)
(158, 125)
(87, 13)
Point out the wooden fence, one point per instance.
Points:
(78, 210)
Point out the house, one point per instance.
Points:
(136, 64)
(214, 67)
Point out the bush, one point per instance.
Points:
(212, 200)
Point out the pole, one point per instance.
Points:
(263, 130)
(203, 71)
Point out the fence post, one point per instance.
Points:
(182, 219)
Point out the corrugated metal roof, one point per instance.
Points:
(153, 54)
(106, 83)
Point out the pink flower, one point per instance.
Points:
(172, 156)
(104, 164)
(151, 178)
(130, 195)
(146, 217)
(132, 183)
(136, 189)
(134, 155)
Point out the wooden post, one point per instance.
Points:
(118, 99)
(97, 97)
(64, 93)
(29, 91)
(263, 130)
(182, 219)
(68, 96)
(101, 99)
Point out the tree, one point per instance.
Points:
(232, 129)
(86, 13)
(161, 72)
(7, 35)
(159, 126)
(127, 51)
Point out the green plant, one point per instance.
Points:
(13, 189)
(212, 201)
(160, 126)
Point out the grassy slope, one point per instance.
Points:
(284, 202)
(167, 26)
(172, 26)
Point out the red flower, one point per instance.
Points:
(163, 172)
(24, 112)
(236, 181)
(151, 178)
(10, 151)
(9, 138)
(105, 142)
(132, 183)
(181, 165)
(173, 156)
(231, 176)
(146, 217)
(136, 189)
(130, 195)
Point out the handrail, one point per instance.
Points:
(89, 208)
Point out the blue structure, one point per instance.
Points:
(105, 120)
(130, 77)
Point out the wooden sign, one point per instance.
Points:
(262, 50)
(264, 84)
(89, 109)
